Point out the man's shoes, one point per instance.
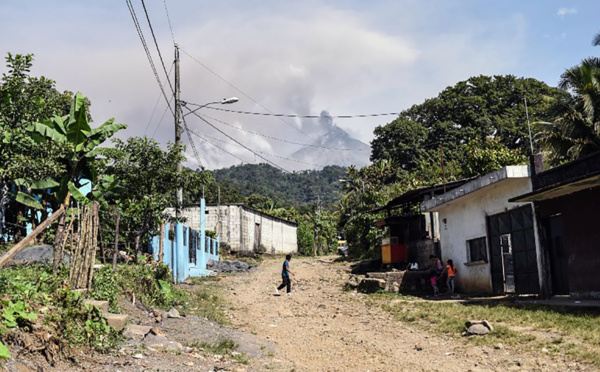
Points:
(276, 290)
(289, 294)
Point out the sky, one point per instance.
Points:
(348, 57)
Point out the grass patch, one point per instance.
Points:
(206, 300)
(514, 324)
(225, 347)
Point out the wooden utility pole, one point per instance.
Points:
(443, 172)
(116, 249)
(179, 192)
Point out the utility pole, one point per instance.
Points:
(443, 172)
(178, 167)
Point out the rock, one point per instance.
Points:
(478, 329)
(544, 350)
(102, 305)
(189, 364)
(161, 342)
(498, 346)
(156, 331)
(173, 313)
(418, 347)
(371, 285)
(41, 254)
(228, 266)
(487, 324)
(138, 356)
(117, 321)
(136, 332)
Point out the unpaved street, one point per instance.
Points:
(323, 328)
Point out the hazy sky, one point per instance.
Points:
(295, 57)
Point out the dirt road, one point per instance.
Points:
(320, 327)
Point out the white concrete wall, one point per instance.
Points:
(237, 228)
(464, 218)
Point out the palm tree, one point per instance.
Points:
(575, 131)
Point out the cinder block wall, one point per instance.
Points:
(237, 227)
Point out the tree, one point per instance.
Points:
(79, 160)
(25, 99)
(149, 178)
(574, 128)
(479, 107)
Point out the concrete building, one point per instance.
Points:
(566, 201)
(245, 229)
(492, 242)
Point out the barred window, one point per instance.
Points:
(477, 249)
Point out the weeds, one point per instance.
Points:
(225, 346)
(513, 323)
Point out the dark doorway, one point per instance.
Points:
(513, 257)
(558, 257)
(257, 237)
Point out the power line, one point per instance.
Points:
(260, 152)
(280, 139)
(236, 141)
(304, 116)
(155, 107)
(219, 147)
(192, 144)
(157, 48)
(242, 92)
(148, 55)
(169, 19)
(161, 119)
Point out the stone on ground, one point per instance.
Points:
(173, 313)
(136, 332)
(103, 305)
(371, 285)
(117, 321)
(161, 342)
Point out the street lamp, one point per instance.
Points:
(224, 101)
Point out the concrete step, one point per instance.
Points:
(103, 305)
(117, 321)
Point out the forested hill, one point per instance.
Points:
(298, 188)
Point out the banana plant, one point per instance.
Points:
(80, 162)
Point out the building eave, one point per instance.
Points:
(508, 172)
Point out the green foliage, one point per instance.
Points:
(306, 238)
(105, 287)
(4, 352)
(147, 178)
(573, 129)
(486, 156)
(26, 288)
(264, 187)
(84, 325)
(17, 314)
(151, 284)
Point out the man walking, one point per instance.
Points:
(285, 275)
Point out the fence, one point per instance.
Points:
(186, 251)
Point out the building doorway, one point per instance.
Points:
(558, 257)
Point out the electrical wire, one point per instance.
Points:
(212, 143)
(162, 62)
(161, 119)
(260, 152)
(280, 139)
(236, 141)
(148, 55)
(156, 106)
(192, 144)
(304, 116)
(169, 19)
(243, 93)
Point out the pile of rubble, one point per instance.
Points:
(228, 266)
